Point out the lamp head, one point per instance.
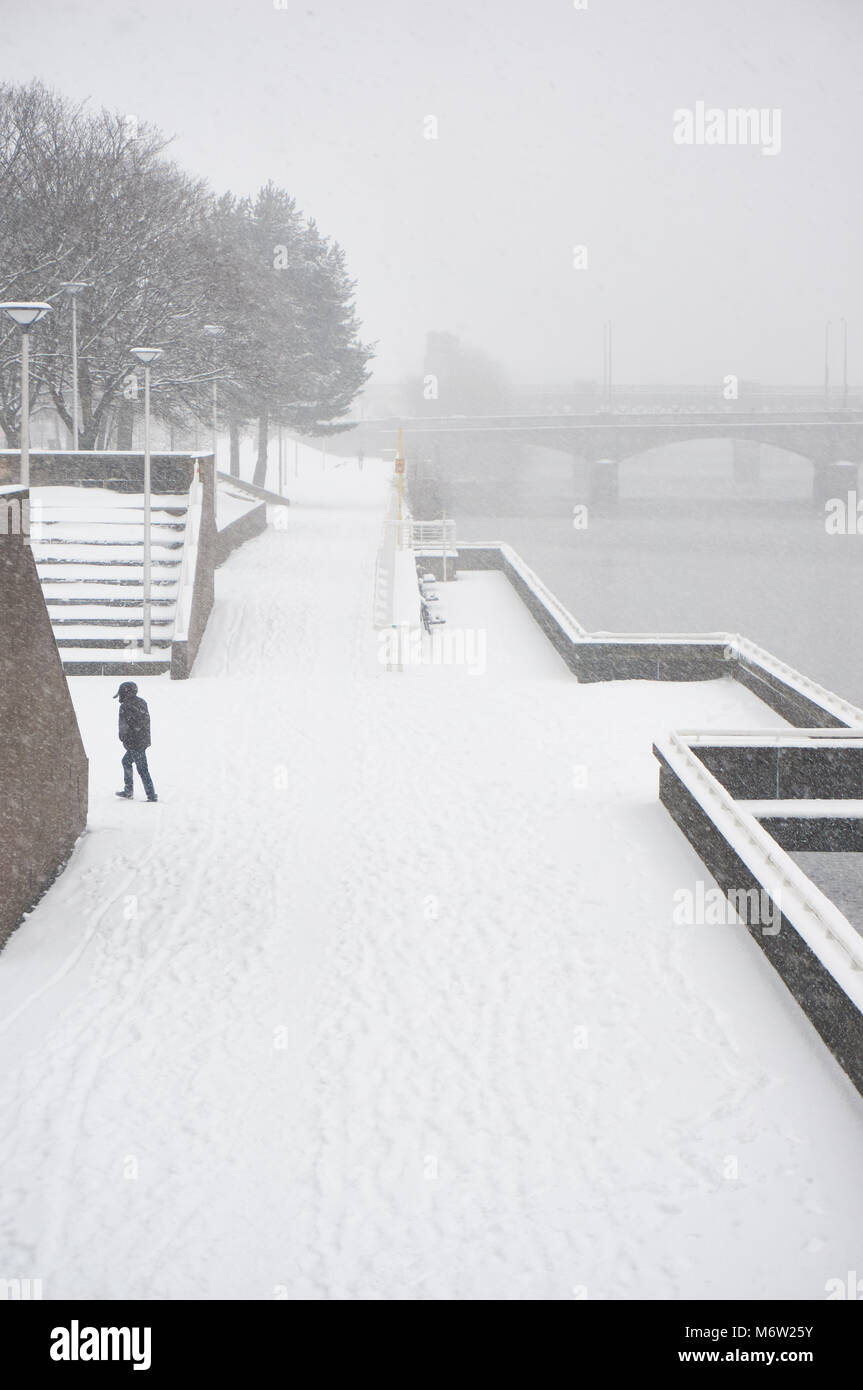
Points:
(146, 354)
(73, 287)
(25, 313)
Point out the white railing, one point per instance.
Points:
(817, 919)
(433, 535)
(434, 538)
(189, 565)
(385, 562)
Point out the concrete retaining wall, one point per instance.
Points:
(236, 533)
(835, 1016)
(122, 472)
(600, 657)
(183, 652)
(784, 772)
(746, 770)
(43, 767)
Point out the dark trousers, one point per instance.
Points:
(138, 758)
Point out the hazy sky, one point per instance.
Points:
(555, 129)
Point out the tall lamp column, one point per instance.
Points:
(146, 356)
(25, 314)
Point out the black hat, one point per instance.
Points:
(127, 688)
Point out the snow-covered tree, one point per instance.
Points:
(91, 196)
(88, 197)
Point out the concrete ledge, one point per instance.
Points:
(184, 649)
(812, 946)
(663, 657)
(121, 472)
(793, 705)
(819, 987)
(818, 834)
(236, 533)
(790, 769)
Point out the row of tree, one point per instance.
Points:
(91, 197)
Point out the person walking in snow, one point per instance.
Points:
(135, 738)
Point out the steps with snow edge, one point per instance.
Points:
(132, 619)
(79, 642)
(101, 661)
(88, 545)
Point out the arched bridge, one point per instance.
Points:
(606, 440)
(824, 437)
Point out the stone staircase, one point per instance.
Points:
(88, 544)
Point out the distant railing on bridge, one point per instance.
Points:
(583, 398)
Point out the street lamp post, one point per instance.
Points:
(146, 355)
(844, 364)
(215, 330)
(826, 364)
(73, 288)
(25, 314)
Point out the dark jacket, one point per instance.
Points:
(134, 723)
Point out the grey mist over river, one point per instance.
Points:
(688, 548)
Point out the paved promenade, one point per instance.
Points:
(385, 998)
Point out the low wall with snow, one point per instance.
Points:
(631, 656)
(43, 766)
(814, 949)
(122, 472)
(244, 528)
(184, 651)
(214, 547)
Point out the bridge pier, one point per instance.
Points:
(604, 482)
(834, 479)
(747, 456)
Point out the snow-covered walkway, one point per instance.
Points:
(381, 1001)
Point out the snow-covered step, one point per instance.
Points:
(120, 606)
(108, 516)
(88, 545)
(115, 516)
(74, 619)
(123, 552)
(59, 567)
(103, 643)
(115, 591)
(119, 534)
(107, 577)
(106, 661)
(85, 498)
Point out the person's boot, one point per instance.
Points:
(153, 797)
(126, 795)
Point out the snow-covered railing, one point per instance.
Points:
(188, 567)
(385, 561)
(826, 931)
(562, 615)
(823, 963)
(432, 538)
(731, 647)
(842, 709)
(433, 535)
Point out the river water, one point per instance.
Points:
(688, 548)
